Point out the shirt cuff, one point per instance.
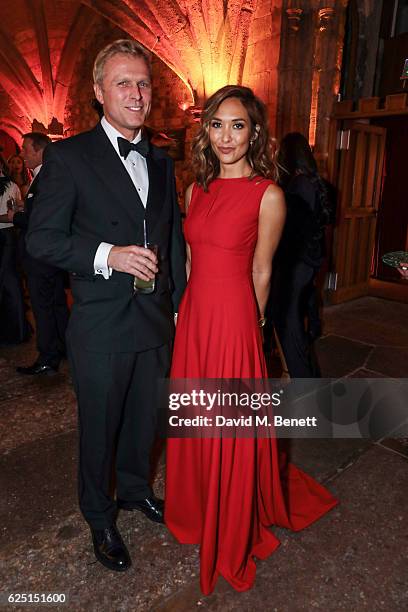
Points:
(101, 260)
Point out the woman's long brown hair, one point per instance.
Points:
(206, 163)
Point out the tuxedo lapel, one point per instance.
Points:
(32, 187)
(108, 166)
(157, 190)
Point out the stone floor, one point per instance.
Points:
(354, 559)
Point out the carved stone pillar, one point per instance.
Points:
(294, 69)
(321, 85)
(328, 44)
(294, 16)
(325, 17)
(309, 68)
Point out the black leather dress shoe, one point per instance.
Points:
(110, 549)
(38, 368)
(152, 507)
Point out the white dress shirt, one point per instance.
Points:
(12, 191)
(35, 172)
(136, 167)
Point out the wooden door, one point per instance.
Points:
(359, 189)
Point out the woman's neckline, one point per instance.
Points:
(233, 178)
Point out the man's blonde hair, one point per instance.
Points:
(124, 46)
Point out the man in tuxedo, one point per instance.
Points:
(45, 282)
(98, 190)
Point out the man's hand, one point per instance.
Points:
(10, 215)
(134, 260)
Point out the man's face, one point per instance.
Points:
(31, 157)
(126, 93)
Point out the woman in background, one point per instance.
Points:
(223, 493)
(300, 254)
(13, 324)
(19, 173)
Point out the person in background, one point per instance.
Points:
(19, 173)
(13, 324)
(300, 254)
(45, 282)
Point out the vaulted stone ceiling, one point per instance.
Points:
(203, 41)
(39, 42)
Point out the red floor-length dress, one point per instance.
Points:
(224, 493)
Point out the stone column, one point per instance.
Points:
(328, 45)
(295, 68)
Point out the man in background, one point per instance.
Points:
(45, 281)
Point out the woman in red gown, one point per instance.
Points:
(223, 493)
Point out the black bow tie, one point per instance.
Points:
(125, 147)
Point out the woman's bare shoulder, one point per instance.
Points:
(273, 198)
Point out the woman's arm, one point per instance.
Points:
(272, 214)
(187, 200)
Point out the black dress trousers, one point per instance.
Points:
(51, 314)
(118, 413)
(13, 323)
(294, 286)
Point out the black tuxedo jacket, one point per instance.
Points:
(21, 220)
(85, 197)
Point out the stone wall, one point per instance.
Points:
(168, 92)
(7, 145)
(12, 120)
(311, 44)
(79, 113)
(262, 58)
(293, 63)
(310, 64)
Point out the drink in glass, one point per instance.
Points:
(143, 286)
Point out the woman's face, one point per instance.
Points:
(16, 164)
(230, 131)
